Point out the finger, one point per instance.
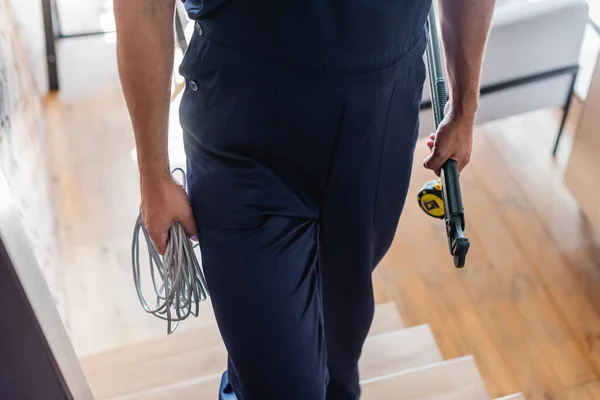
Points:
(430, 144)
(189, 225)
(432, 136)
(464, 162)
(434, 161)
(159, 239)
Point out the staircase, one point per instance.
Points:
(398, 363)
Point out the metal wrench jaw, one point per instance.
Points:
(458, 244)
(454, 214)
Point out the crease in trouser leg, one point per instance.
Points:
(266, 298)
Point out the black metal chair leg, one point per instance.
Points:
(179, 32)
(594, 25)
(48, 11)
(566, 108)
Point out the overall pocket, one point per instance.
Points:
(401, 134)
(218, 190)
(201, 80)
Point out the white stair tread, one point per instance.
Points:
(202, 388)
(195, 354)
(516, 396)
(387, 318)
(123, 380)
(456, 379)
(396, 351)
(179, 342)
(382, 354)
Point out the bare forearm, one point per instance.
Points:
(145, 47)
(465, 26)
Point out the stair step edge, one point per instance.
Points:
(163, 391)
(455, 379)
(405, 331)
(421, 337)
(516, 396)
(415, 370)
(180, 341)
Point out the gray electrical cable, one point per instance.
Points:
(177, 278)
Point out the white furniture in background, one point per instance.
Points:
(584, 164)
(590, 49)
(531, 59)
(595, 13)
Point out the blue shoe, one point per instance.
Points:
(225, 389)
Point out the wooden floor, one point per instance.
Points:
(527, 305)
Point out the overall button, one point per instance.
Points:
(198, 27)
(193, 85)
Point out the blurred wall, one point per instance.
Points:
(28, 18)
(22, 140)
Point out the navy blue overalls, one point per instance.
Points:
(300, 119)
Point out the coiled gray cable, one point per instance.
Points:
(177, 278)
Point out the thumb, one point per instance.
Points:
(188, 224)
(434, 161)
(159, 239)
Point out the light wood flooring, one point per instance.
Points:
(527, 305)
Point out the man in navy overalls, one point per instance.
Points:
(300, 119)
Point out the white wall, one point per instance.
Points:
(22, 137)
(29, 20)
